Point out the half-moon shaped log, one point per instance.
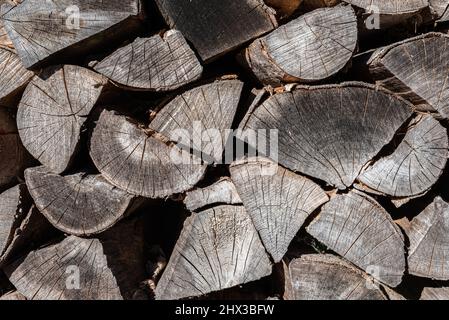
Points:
(429, 242)
(327, 277)
(329, 132)
(141, 163)
(390, 7)
(415, 166)
(156, 63)
(218, 248)
(53, 111)
(277, 200)
(310, 48)
(360, 230)
(78, 204)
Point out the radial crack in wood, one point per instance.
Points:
(218, 248)
(310, 48)
(435, 293)
(156, 63)
(53, 111)
(329, 132)
(277, 200)
(360, 230)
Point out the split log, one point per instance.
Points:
(310, 5)
(393, 295)
(310, 48)
(221, 192)
(435, 293)
(53, 111)
(215, 27)
(5, 42)
(284, 8)
(13, 295)
(440, 9)
(331, 132)
(155, 63)
(108, 268)
(47, 30)
(201, 118)
(360, 230)
(277, 200)
(429, 247)
(415, 166)
(140, 161)
(79, 204)
(326, 277)
(416, 69)
(218, 248)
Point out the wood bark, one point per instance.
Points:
(215, 27)
(42, 30)
(277, 200)
(218, 248)
(53, 111)
(360, 230)
(331, 132)
(159, 63)
(313, 47)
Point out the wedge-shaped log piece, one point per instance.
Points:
(108, 268)
(390, 7)
(218, 248)
(78, 204)
(277, 200)
(326, 277)
(215, 27)
(53, 111)
(359, 229)
(221, 192)
(310, 48)
(156, 63)
(201, 118)
(415, 166)
(429, 242)
(329, 132)
(141, 162)
(417, 69)
(435, 293)
(41, 29)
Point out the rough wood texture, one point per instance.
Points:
(221, 192)
(429, 242)
(312, 47)
(440, 9)
(284, 8)
(41, 29)
(277, 200)
(331, 132)
(53, 111)
(191, 116)
(360, 230)
(326, 277)
(218, 248)
(78, 204)
(215, 27)
(13, 295)
(435, 294)
(159, 63)
(391, 7)
(416, 164)
(416, 69)
(141, 162)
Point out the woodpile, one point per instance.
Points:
(208, 149)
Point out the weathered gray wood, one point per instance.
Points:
(331, 132)
(326, 277)
(360, 230)
(393, 295)
(391, 7)
(312, 47)
(440, 9)
(435, 293)
(284, 8)
(415, 166)
(53, 111)
(429, 242)
(79, 204)
(139, 161)
(200, 118)
(109, 268)
(215, 27)
(42, 29)
(221, 192)
(277, 200)
(159, 63)
(218, 248)
(417, 70)
(13, 295)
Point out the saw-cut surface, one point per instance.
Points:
(391, 7)
(435, 294)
